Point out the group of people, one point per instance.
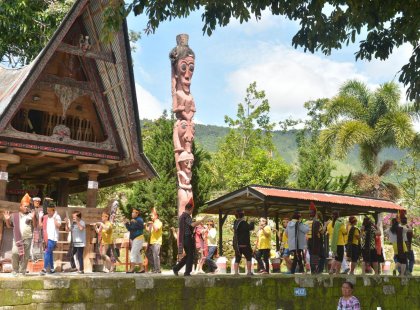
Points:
(317, 246)
(36, 232)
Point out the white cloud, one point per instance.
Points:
(290, 77)
(149, 106)
(388, 69)
(267, 22)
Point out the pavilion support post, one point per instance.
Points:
(220, 233)
(5, 160)
(265, 211)
(92, 190)
(63, 192)
(277, 235)
(93, 170)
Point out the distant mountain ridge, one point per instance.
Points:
(209, 137)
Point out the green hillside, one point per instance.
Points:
(208, 136)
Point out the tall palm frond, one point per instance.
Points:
(352, 132)
(344, 106)
(357, 90)
(398, 127)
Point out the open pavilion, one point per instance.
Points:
(277, 202)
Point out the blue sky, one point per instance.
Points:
(236, 55)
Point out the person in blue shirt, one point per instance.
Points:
(135, 226)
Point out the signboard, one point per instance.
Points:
(300, 291)
(92, 185)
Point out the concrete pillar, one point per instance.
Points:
(5, 160)
(93, 171)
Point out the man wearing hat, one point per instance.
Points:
(37, 248)
(23, 223)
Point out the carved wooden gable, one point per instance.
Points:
(75, 104)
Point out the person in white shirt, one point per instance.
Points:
(212, 246)
(51, 224)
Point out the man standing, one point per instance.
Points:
(22, 222)
(337, 232)
(264, 246)
(241, 241)
(37, 243)
(51, 224)
(135, 226)
(315, 241)
(154, 227)
(186, 242)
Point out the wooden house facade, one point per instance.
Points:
(69, 120)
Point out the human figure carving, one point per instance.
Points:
(185, 162)
(182, 64)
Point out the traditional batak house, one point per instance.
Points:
(69, 120)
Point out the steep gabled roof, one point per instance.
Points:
(111, 62)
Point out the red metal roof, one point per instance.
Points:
(328, 198)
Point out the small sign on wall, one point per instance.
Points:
(300, 291)
(92, 185)
(4, 176)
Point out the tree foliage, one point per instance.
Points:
(26, 26)
(324, 25)
(246, 155)
(372, 120)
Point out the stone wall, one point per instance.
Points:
(120, 291)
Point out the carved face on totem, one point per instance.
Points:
(184, 73)
(186, 161)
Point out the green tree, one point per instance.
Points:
(246, 155)
(408, 178)
(161, 192)
(324, 25)
(26, 26)
(372, 120)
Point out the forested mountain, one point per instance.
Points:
(208, 136)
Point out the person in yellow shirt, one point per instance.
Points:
(264, 246)
(337, 233)
(153, 248)
(284, 246)
(104, 228)
(353, 243)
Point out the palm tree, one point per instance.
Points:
(372, 120)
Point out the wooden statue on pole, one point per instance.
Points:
(182, 62)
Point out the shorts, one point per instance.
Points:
(340, 253)
(246, 251)
(285, 253)
(354, 253)
(369, 255)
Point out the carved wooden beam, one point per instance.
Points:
(51, 80)
(75, 50)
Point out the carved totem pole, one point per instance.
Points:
(182, 63)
